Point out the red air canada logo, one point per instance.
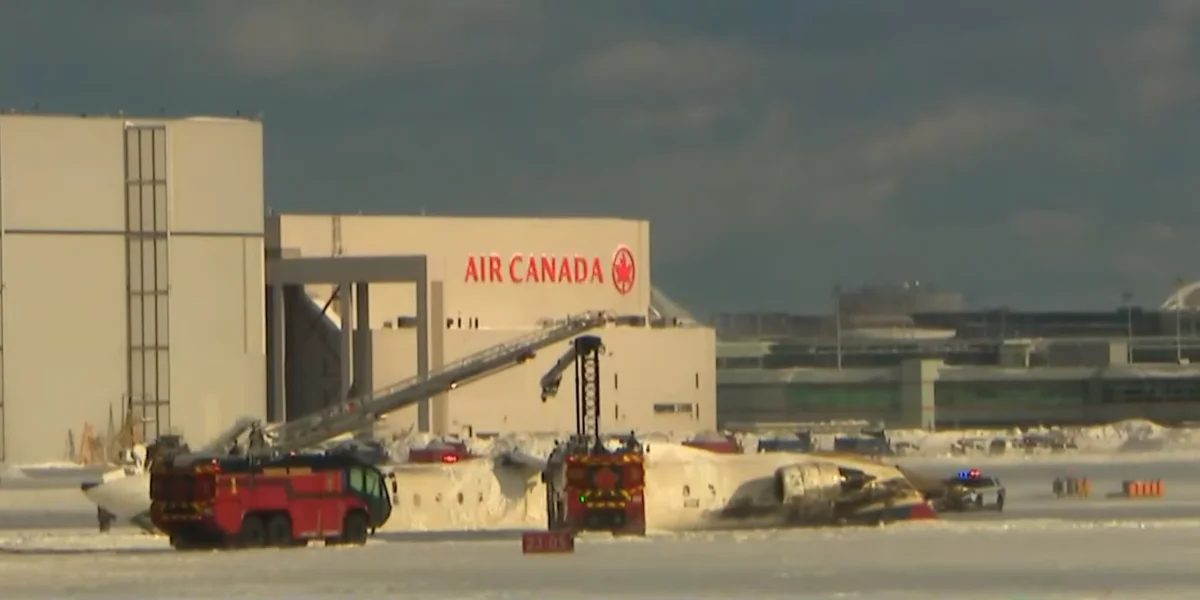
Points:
(546, 268)
(624, 269)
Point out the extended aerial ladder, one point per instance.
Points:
(588, 486)
(358, 413)
(584, 355)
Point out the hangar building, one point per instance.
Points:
(131, 261)
(143, 294)
(491, 280)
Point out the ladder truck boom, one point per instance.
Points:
(360, 412)
(584, 355)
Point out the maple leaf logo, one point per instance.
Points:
(624, 269)
(605, 479)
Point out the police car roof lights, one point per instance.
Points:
(972, 474)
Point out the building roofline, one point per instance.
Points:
(6, 111)
(474, 216)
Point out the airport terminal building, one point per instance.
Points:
(911, 358)
(143, 293)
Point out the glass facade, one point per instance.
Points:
(999, 402)
(842, 397)
(805, 402)
(1007, 395)
(1150, 391)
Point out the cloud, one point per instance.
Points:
(770, 176)
(308, 37)
(1031, 155)
(647, 67)
(940, 135)
(1046, 225)
(1164, 51)
(675, 120)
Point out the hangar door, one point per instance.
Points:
(147, 235)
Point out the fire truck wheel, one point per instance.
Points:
(354, 529)
(279, 531)
(253, 533)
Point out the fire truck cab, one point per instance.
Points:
(247, 502)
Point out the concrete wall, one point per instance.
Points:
(645, 372)
(485, 262)
(170, 261)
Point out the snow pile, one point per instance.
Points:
(1137, 435)
(1133, 435)
(1130, 435)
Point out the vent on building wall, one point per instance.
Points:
(673, 408)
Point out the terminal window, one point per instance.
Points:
(988, 394)
(1150, 391)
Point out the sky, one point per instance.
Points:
(1030, 154)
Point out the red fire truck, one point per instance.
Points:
(245, 502)
(597, 491)
(590, 487)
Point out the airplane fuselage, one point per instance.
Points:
(686, 489)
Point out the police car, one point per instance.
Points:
(971, 490)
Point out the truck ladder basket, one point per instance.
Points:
(360, 412)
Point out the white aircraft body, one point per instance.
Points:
(686, 489)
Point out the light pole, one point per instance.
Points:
(1179, 320)
(1127, 302)
(837, 322)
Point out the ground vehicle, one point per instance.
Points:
(205, 502)
(801, 442)
(971, 490)
(588, 486)
(870, 444)
(715, 442)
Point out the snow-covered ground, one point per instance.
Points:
(1040, 547)
(964, 561)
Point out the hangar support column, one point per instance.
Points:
(423, 421)
(353, 274)
(276, 357)
(437, 351)
(363, 355)
(346, 356)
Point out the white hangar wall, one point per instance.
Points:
(651, 380)
(499, 272)
(132, 279)
(498, 278)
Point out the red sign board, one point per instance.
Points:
(522, 268)
(547, 542)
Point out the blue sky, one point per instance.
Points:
(1031, 154)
